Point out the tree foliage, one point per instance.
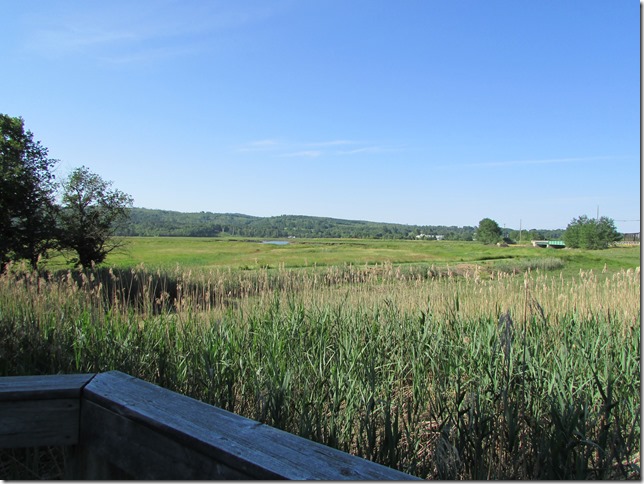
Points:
(27, 208)
(89, 216)
(165, 223)
(533, 234)
(155, 223)
(488, 232)
(589, 233)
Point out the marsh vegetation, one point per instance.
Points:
(471, 371)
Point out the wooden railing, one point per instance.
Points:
(120, 427)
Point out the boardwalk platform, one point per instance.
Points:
(121, 427)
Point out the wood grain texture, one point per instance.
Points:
(41, 387)
(39, 423)
(117, 448)
(126, 428)
(40, 410)
(234, 442)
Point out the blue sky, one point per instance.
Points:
(427, 112)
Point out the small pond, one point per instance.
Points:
(275, 242)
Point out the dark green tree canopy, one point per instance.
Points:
(488, 232)
(27, 187)
(90, 213)
(163, 223)
(590, 233)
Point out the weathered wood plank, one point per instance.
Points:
(121, 448)
(39, 387)
(39, 423)
(40, 410)
(251, 448)
(82, 464)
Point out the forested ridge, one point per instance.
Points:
(166, 223)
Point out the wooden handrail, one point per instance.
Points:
(123, 427)
(40, 410)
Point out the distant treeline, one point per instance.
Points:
(164, 223)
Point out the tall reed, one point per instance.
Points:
(440, 373)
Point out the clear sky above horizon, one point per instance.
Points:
(425, 112)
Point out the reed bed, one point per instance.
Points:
(452, 373)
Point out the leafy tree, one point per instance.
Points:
(488, 231)
(27, 208)
(90, 215)
(589, 233)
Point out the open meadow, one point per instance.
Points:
(442, 359)
(247, 254)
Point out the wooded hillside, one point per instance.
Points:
(147, 222)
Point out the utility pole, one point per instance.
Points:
(520, 227)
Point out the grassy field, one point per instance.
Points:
(249, 254)
(442, 359)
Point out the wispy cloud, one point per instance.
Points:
(146, 55)
(260, 145)
(339, 142)
(547, 161)
(133, 32)
(302, 154)
(312, 149)
(58, 41)
(366, 149)
(264, 143)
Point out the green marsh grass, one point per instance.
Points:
(443, 372)
(166, 253)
